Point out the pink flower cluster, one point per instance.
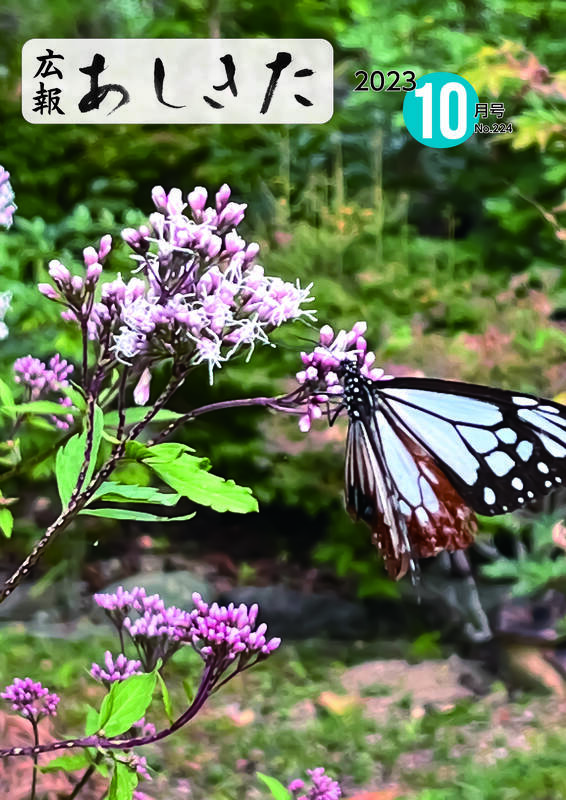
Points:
(323, 787)
(31, 699)
(156, 631)
(228, 631)
(198, 297)
(42, 380)
(7, 205)
(321, 378)
(115, 669)
(218, 633)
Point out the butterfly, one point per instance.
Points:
(423, 455)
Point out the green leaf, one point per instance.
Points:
(169, 451)
(137, 413)
(69, 762)
(189, 690)
(41, 423)
(6, 522)
(125, 513)
(112, 492)
(136, 451)
(91, 724)
(7, 401)
(111, 439)
(77, 398)
(187, 476)
(278, 791)
(124, 781)
(167, 704)
(70, 459)
(42, 407)
(126, 703)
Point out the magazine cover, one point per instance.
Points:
(282, 400)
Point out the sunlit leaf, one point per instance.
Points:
(278, 791)
(123, 783)
(126, 703)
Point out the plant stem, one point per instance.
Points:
(87, 774)
(116, 742)
(36, 745)
(80, 497)
(275, 403)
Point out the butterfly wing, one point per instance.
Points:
(498, 449)
(371, 496)
(395, 486)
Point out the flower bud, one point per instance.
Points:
(159, 197)
(233, 243)
(48, 290)
(326, 335)
(93, 272)
(175, 203)
(104, 247)
(90, 256)
(222, 197)
(232, 215)
(197, 199)
(251, 252)
(141, 392)
(214, 246)
(59, 273)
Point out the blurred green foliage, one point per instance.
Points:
(454, 257)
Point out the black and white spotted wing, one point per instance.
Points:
(423, 455)
(499, 449)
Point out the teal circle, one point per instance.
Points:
(423, 117)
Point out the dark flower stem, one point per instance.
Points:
(80, 498)
(117, 742)
(36, 745)
(286, 403)
(86, 776)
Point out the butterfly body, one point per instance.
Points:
(423, 455)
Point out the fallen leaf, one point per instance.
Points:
(559, 535)
(337, 703)
(240, 717)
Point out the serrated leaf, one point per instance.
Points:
(123, 783)
(278, 791)
(167, 704)
(126, 703)
(69, 762)
(186, 476)
(132, 514)
(110, 491)
(136, 451)
(70, 458)
(170, 451)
